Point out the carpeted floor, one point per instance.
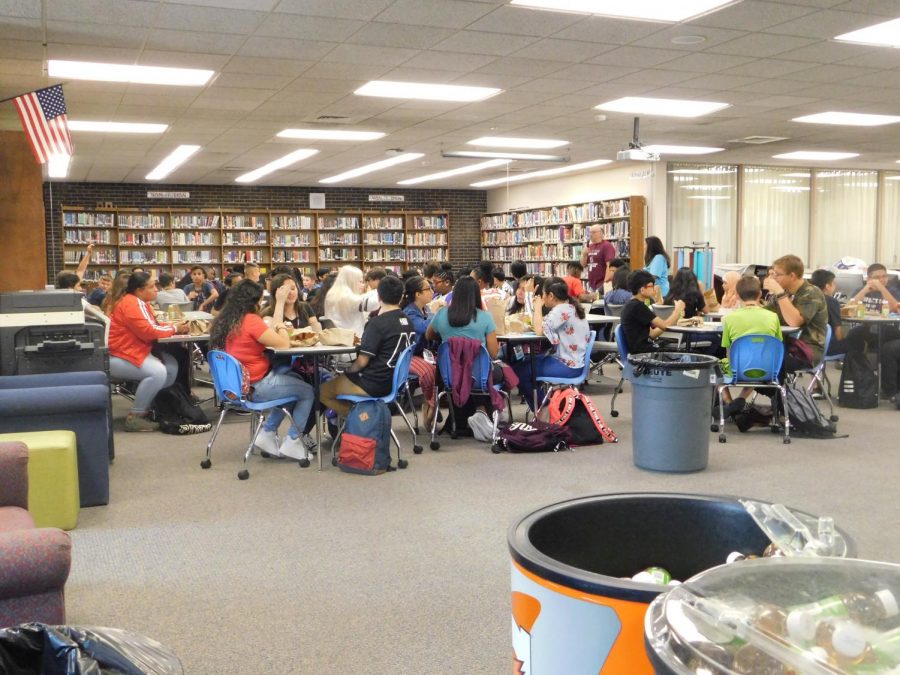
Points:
(296, 571)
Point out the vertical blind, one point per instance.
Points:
(889, 250)
(775, 214)
(703, 207)
(846, 203)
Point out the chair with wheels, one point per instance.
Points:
(227, 377)
(614, 310)
(755, 362)
(481, 369)
(398, 384)
(663, 311)
(819, 376)
(622, 347)
(563, 382)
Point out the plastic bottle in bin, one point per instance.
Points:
(863, 608)
(852, 644)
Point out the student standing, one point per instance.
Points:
(656, 261)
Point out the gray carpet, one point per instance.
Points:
(296, 571)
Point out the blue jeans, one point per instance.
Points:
(282, 385)
(154, 374)
(547, 365)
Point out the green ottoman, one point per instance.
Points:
(53, 499)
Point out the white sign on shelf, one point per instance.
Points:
(317, 200)
(168, 195)
(387, 198)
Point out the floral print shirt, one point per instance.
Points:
(569, 334)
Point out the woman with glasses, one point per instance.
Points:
(417, 295)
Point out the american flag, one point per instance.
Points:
(43, 115)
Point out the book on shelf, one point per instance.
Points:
(430, 222)
(290, 240)
(189, 221)
(330, 254)
(386, 254)
(244, 239)
(384, 239)
(143, 239)
(338, 238)
(295, 256)
(99, 256)
(86, 236)
(383, 223)
(87, 219)
(245, 255)
(338, 223)
(300, 222)
(141, 221)
(427, 239)
(143, 257)
(243, 222)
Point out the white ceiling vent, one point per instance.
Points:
(758, 140)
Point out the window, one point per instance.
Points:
(889, 248)
(703, 207)
(775, 214)
(845, 204)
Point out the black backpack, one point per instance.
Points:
(859, 383)
(177, 413)
(806, 418)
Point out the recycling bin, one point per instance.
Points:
(671, 398)
(575, 608)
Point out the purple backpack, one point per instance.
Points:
(534, 436)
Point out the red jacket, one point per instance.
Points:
(133, 329)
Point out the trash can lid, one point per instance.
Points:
(796, 533)
(669, 362)
(817, 616)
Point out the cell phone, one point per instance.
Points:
(518, 352)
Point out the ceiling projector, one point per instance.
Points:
(637, 155)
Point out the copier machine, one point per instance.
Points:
(46, 332)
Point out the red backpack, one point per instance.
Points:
(577, 413)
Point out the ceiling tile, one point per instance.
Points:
(477, 42)
(563, 50)
(262, 5)
(554, 86)
(829, 73)
(766, 67)
(753, 15)
(761, 44)
(342, 9)
(299, 27)
(358, 73)
(23, 9)
(719, 81)
(79, 52)
(259, 66)
(592, 73)
(824, 24)
(605, 30)
(704, 62)
(214, 20)
(193, 41)
(152, 57)
(279, 48)
(392, 35)
(255, 81)
(636, 57)
(661, 38)
(440, 13)
(523, 21)
(382, 56)
(109, 12)
(23, 29)
(436, 60)
(512, 65)
(772, 86)
(883, 7)
(654, 77)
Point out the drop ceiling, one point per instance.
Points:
(296, 63)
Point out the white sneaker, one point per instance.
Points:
(267, 441)
(309, 443)
(294, 448)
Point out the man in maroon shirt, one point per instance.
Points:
(595, 256)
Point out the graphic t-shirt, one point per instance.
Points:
(383, 340)
(873, 302)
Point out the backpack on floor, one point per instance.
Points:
(577, 413)
(806, 418)
(534, 436)
(177, 413)
(859, 383)
(366, 440)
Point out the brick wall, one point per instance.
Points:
(463, 206)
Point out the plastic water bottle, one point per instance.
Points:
(862, 608)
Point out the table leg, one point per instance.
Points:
(318, 408)
(878, 357)
(534, 391)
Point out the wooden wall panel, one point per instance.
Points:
(23, 248)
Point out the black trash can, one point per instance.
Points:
(572, 612)
(672, 394)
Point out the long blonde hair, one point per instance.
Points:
(343, 302)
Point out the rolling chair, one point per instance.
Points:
(563, 382)
(819, 375)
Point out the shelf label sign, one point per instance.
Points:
(317, 200)
(168, 195)
(387, 198)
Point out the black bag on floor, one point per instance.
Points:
(177, 413)
(859, 383)
(806, 418)
(534, 436)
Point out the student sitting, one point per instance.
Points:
(241, 332)
(287, 308)
(750, 319)
(639, 324)
(383, 340)
(522, 301)
(501, 283)
(686, 288)
(798, 304)
(200, 291)
(343, 302)
(370, 297)
(856, 339)
(169, 294)
(133, 332)
(443, 285)
(619, 293)
(875, 294)
(730, 298)
(230, 282)
(573, 282)
(564, 325)
(416, 299)
(465, 318)
(96, 296)
(614, 266)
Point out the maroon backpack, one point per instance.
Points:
(534, 436)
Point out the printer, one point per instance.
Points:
(46, 332)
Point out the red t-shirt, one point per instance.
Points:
(244, 345)
(576, 288)
(598, 257)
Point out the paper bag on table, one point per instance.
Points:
(496, 305)
(304, 337)
(515, 323)
(337, 337)
(198, 327)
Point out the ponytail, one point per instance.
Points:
(560, 290)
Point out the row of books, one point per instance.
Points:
(383, 222)
(429, 223)
(293, 240)
(558, 215)
(142, 221)
(143, 239)
(384, 239)
(102, 256)
(426, 239)
(533, 252)
(245, 238)
(299, 256)
(332, 238)
(245, 256)
(386, 254)
(143, 257)
(292, 223)
(195, 239)
(85, 237)
(338, 254)
(230, 222)
(195, 221)
(198, 257)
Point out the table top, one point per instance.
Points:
(601, 318)
(522, 337)
(872, 318)
(198, 316)
(718, 326)
(315, 349)
(185, 338)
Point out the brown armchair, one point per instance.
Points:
(34, 562)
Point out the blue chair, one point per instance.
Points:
(622, 346)
(399, 382)
(755, 362)
(563, 382)
(819, 375)
(481, 369)
(227, 377)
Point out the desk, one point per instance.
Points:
(601, 319)
(535, 341)
(716, 328)
(880, 322)
(184, 342)
(317, 352)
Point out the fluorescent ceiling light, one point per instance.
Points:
(480, 154)
(816, 156)
(178, 157)
(533, 143)
(118, 127)
(848, 119)
(375, 166)
(472, 168)
(709, 197)
(331, 134)
(281, 163)
(425, 91)
(712, 169)
(885, 34)
(652, 10)
(681, 149)
(892, 177)
(117, 72)
(664, 107)
(707, 187)
(544, 172)
(795, 175)
(792, 188)
(58, 165)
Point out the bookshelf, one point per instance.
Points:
(175, 240)
(547, 239)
